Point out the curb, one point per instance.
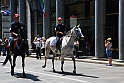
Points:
(114, 63)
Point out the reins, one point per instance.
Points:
(69, 35)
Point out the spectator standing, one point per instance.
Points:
(108, 45)
(38, 36)
(38, 47)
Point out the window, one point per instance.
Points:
(73, 9)
(87, 9)
(67, 12)
(53, 3)
(112, 6)
(92, 8)
(80, 10)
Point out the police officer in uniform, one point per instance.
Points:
(60, 32)
(17, 30)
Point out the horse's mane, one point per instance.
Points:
(68, 33)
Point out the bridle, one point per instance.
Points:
(74, 36)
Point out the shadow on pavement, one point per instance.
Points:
(28, 76)
(77, 74)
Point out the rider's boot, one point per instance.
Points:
(11, 48)
(56, 50)
(57, 45)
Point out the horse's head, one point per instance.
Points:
(77, 32)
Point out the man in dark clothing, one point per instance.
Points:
(17, 30)
(60, 32)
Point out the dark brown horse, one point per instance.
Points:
(19, 50)
(20, 46)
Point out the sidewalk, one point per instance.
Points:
(89, 59)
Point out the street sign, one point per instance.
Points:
(73, 21)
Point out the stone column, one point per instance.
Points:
(100, 25)
(28, 22)
(59, 10)
(47, 20)
(22, 11)
(121, 29)
(35, 23)
(0, 22)
(13, 8)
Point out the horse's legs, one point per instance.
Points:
(62, 62)
(73, 59)
(8, 57)
(53, 61)
(46, 56)
(12, 66)
(23, 65)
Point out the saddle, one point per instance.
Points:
(16, 47)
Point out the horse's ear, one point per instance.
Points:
(77, 25)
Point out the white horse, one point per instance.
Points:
(67, 46)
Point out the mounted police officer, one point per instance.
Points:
(17, 30)
(60, 32)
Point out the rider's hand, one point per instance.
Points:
(16, 34)
(61, 33)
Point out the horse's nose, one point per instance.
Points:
(82, 37)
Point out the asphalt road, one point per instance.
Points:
(86, 72)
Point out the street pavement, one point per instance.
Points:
(86, 72)
(89, 59)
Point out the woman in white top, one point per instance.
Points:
(108, 45)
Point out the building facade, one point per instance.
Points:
(99, 19)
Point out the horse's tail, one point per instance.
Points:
(8, 57)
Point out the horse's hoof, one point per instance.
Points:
(54, 70)
(63, 72)
(44, 66)
(3, 64)
(24, 75)
(12, 72)
(74, 71)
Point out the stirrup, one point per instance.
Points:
(10, 53)
(56, 50)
